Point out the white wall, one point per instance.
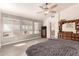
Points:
(70, 13)
(47, 23)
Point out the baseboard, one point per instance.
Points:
(20, 41)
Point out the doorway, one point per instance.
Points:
(52, 30)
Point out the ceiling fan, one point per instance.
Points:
(47, 8)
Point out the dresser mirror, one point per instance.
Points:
(69, 27)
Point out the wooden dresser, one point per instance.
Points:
(68, 36)
(65, 35)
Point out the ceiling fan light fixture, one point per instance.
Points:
(46, 11)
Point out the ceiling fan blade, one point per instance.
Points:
(53, 6)
(53, 11)
(40, 12)
(41, 7)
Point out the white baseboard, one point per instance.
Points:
(20, 41)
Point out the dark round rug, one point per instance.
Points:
(43, 49)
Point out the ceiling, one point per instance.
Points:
(30, 10)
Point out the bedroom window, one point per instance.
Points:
(11, 27)
(36, 27)
(15, 29)
(27, 27)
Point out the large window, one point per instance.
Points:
(27, 27)
(18, 29)
(11, 27)
(15, 27)
(36, 27)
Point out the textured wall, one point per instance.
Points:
(70, 13)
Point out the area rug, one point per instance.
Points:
(54, 47)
